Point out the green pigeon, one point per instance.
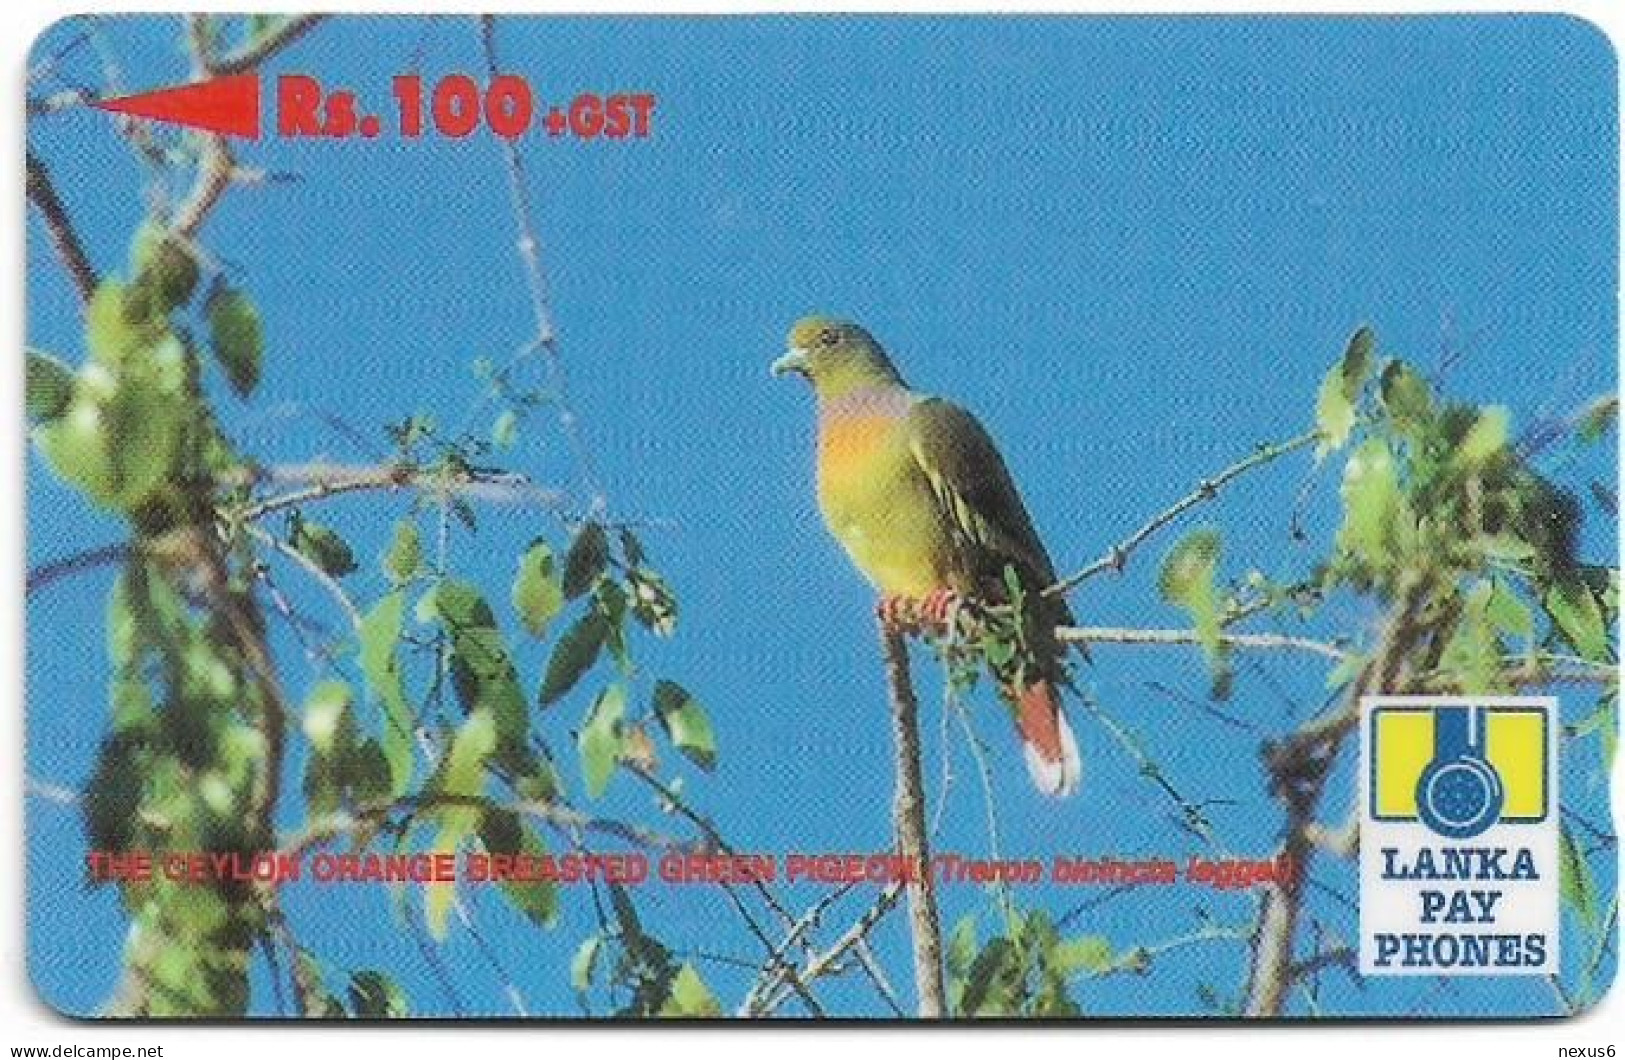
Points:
(917, 494)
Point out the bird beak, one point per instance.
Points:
(794, 362)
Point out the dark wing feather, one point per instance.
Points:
(978, 499)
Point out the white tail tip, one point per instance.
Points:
(1061, 777)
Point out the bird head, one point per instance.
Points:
(836, 357)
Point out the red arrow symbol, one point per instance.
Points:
(226, 105)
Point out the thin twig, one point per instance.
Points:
(984, 772)
(545, 340)
(866, 960)
(778, 968)
(1117, 557)
(339, 594)
(516, 997)
(827, 961)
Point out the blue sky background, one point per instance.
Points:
(1132, 246)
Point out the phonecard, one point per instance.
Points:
(821, 517)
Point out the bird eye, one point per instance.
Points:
(830, 337)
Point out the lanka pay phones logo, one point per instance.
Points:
(1460, 769)
(1458, 835)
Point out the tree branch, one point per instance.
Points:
(216, 167)
(1298, 767)
(49, 573)
(909, 819)
(826, 962)
(264, 46)
(778, 967)
(318, 481)
(58, 226)
(1257, 641)
(1117, 557)
(333, 827)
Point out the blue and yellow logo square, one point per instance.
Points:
(1460, 768)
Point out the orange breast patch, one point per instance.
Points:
(847, 445)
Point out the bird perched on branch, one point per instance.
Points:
(916, 492)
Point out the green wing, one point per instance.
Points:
(976, 496)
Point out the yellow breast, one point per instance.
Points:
(879, 506)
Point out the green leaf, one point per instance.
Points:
(1600, 721)
(1574, 611)
(1086, 955)
(962, 946)
(609, 600)
(237, 337)
(600, 739)
(462, 776)
(1376, 516)
(1507, 613)
(1345, 671)
(164, 266)
(994, 977)
(379, 635)
(585, 962)
(1575, 885)
(482, 669)
(631, 547)
(505, 833)
(626, 916)
(374, 995)
(1339, 392)
(577, 649)
(326, 715)
(505, 429)
(1486, 437)
(120, 435)
(1187, 570)
(404, 559)
(1474, 652)
(322, 546)
(1406, 397)
(116, 330)
(1186, 579)
(366, 773)
(690, 998)
(456, 604)
(49, 387)
(1598, 417)
(685, 723)
(537, 593)
(462, 773)
(586, 560)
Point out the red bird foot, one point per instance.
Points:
(938, 610)
(896, 613)
(934, 613)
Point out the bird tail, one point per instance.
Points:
(1046, 739)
